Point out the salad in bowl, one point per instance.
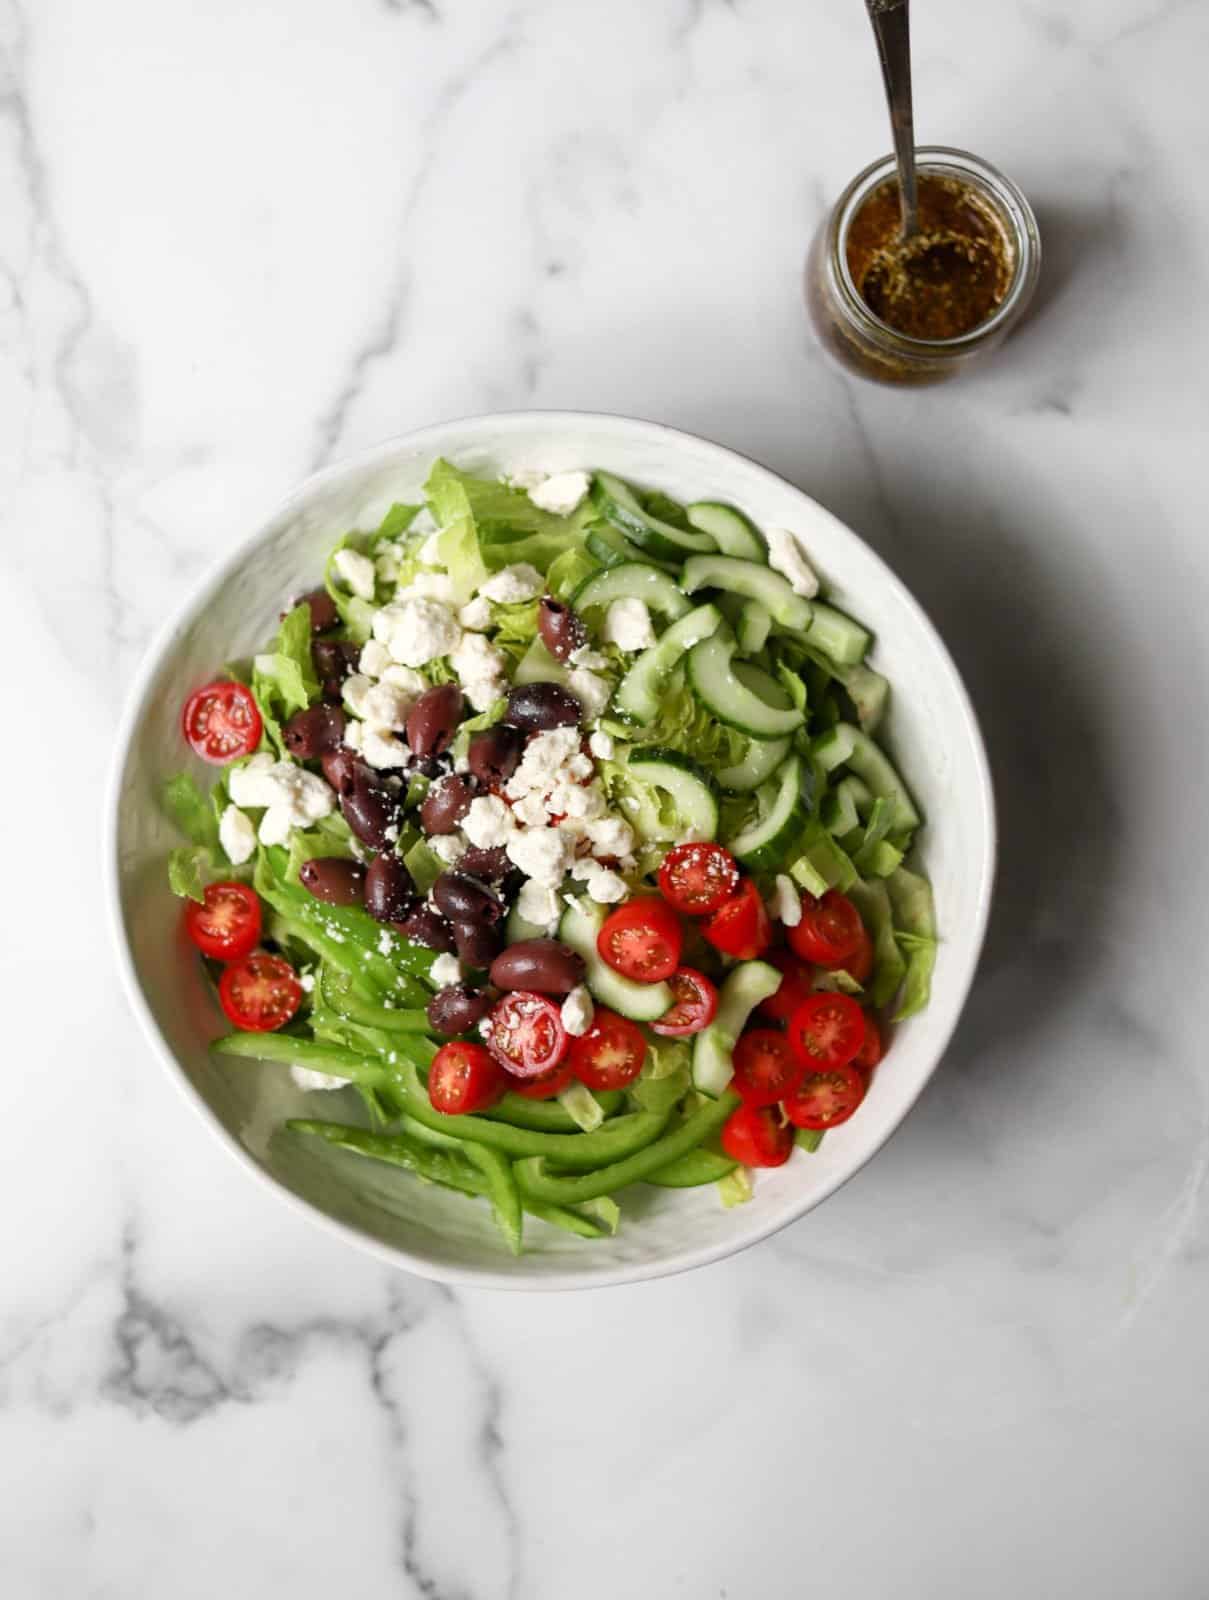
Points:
(552, 850)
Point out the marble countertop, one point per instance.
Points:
(238, 241)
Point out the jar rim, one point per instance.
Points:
(1010, 205)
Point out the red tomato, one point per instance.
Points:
(766, 1069)
(221, 722)
(695, 1006)
(830, 930)
(870, 1052)
(795, 986)
(464, 1077)
(756, 1136)
(548, 1085)
(696, 878)
(610, 1054)
(860, 966)
(827, 1031)
(260, 993)
(642, 940)
(825, 1099)
(741, 927)
(227, 926)
(527, 1035)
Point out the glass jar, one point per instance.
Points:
(870, 347)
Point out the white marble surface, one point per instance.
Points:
(239, 240)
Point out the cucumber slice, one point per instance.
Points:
(537, 665)
(747, 985)
(748, 578)
(690, 786)
(730, 529)
(727, 691)
(606, 545)
(639, 693)
(831, 631)
(846, 745)
(848, 802)
(753, 627)
(761, 760)
(869, 693)
(632, 580)
(766, 843)
(618, 504)
(517, 929)
(641, 1002)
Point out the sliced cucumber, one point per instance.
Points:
(618, 504)
(640, 691)
(869, 693)
(848, 802)
(735, 576)
(730, 529)
(761, 760)
(604, 544)
(517, 929)
(747, 985)
(831, 631)
(632, 580)
(537, 665)
(753, 627)
(642, 1002)
(766, 843)
(727, 691)
(846, 745)
(692, 789)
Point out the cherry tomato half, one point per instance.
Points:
(826, 1098)
(795, 986)
(695, 1006)
(227, 926)
(859, 966)
(830, 930)
(527, 1035)
(221, 722)
(697, 878)
(464, 1077)
(827, 1031)
(547, 1085)
(642, 940)
(610, 1054)
(740, 928)
(766, 1068)
(870, 1052)
(756, 1136)
(259, 993)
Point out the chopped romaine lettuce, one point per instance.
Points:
(187, 865)
(424, 865)
(872, 900)
(915, 926)
(189, 809)
(735, 1188)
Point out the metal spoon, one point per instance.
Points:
(891, 28)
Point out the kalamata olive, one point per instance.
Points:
(478, 943)
(389, 891)
(561, 630)
(334, 660)
(431, 766)
(323, 610)
(433, 720)
(314, 732)
(492, 866)
(338, 769)
(494, 754)
(458, 1008)
(541, 964)
(423, 925)
(464, 899)
(337, 882)
(369, 807)
(445, 804)
(538, 706)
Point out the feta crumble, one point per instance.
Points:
(561, 494)
(476, 615)
(356, 570)
(380, 748)
(385, 706)
(541, 853)
(237, 836)
(447, 847)
(292, 797)
(489, 822)
(513, 584)
(610, 836)
(591, 692)
(606, 887)
(627, 624)
(417, 631)
(354, 691)
(785, 902)
(601, 745)
(446, 969)
(787, 559)
(545, 757)
(479, 667)
(374, 660)
(538, 903)
(531, 811)
(577, 1012)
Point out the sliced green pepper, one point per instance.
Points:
(502, 1191)
(545, 1116)
(691, 1171)
(296, 1052)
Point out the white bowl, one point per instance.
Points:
(428, 1230)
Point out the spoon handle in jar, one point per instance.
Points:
(892, 30)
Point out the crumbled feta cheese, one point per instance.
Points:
(577, 1011)
(627, 624)
(512, 584)
(785, 903)
(610, 836)
(785, 557)
(247, 783)
(527, 478)
(386, 562)
(584, 868)
(385, 706)
(591, 692)
(430, 586)
(429, 553)
(356, 570)
(381, 748)
(531, 811)
(353, 735)
(274, 826)
(585, 656)
(354, 691)
(476, 615)
(446, 969)
(292, 796)
(236, 835)
(447, 847)
(562, 493)
(479, 666)
(606, 887)
(417, 631)
(601, 746)
(374, 660)
(411, 683)
(576, 800)
(541, 853)
(307, 1078)
(306, 982)
(385, 943)
(538, 903)
(546, 754)
(489, 822)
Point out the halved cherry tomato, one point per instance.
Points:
(830, 930)
(766, 1068)
(795, 986)
(859, 966)
(870, 1052)
(464, 1077)
(259, 993)
(548, 1085)
(610, 1054)
(527, 1036)
(227, 926)
(697, 878)
(827, 1031)
(642, 940)
(695, 1006)
(740, 928)
(221, 722)
(826, 1098)
(756, 1136)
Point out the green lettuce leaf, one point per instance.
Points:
(190, 810)
(424, 865)
(187, 866)
(567, 571)
(356, 614)
(666, 1057)
(283, 678)
(915, 927)
(395, 523)
(515, 629)
(872, 900)
(735, 1188)
(484, 719)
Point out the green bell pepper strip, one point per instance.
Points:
(338, 991)
(544, 1116)
(537, 1182)
(296, 1052)
(502, 1192)
(693, 1170)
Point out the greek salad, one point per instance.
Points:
(555, 825)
